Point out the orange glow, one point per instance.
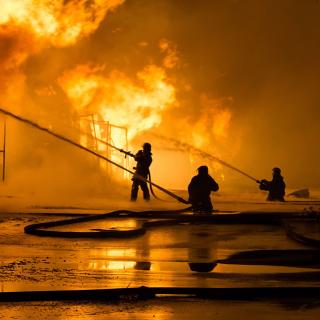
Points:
(212, 124)
(133, 103)
(59, 22)
(171, 58)
(120, 107)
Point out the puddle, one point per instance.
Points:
(173, 255)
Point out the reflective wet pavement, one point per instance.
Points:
(166, 256)
(163, 309)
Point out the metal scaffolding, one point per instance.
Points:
(104, 130)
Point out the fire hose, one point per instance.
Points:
(290, 232)
(144, 293)
(152, 184)
(174, 217)
(65, 139)
(128, 153)
(167, 218)
(292, 258)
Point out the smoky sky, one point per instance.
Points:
(265, 54)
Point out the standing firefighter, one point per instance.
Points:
(144, 159)
(276, 186)
(200, 188)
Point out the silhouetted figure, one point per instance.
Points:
(276, 186)
(200, 188)
(144, 159)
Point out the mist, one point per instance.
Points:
(244, 74)
(262, 54)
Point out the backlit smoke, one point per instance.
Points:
(205, 156)
(58, 95)
(134, 103)
(177, 69)
(28, 28)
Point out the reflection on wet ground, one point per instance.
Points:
(185, 255)
(163, 309)
(178, 255)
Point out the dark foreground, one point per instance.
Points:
(167, 256)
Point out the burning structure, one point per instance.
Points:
(45, 76)
(203, 81)
(86, 69)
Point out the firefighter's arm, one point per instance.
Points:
(213, 185)
(264, 184)
(127, 153)
(138, 155)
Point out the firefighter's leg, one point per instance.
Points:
(145, 190)
(207, 205)
(134, 189)
(202, 205)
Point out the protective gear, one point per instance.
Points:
(276, 186)
(276, 171)
(199, 190)
(127, 153)
(203, 170)
(136, 182)
(147, 147)
(144, 159)
(264, 184)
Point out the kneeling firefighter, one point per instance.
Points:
(144, 159)
(276, 186)
(199, 190)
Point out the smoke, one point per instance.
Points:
(235, 78)
(39, 168)
(205, 156)
(263, 54)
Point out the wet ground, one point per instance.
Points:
(166, 256)
(162, 308)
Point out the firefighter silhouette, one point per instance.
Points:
(144, 159)
(200, 188)
(276, 186)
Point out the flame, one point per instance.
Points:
(207, 130)
(60, 22)
(35, 24)
(136, 104)
(213, 122)
(171, 58)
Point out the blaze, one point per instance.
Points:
(119, 106)
(210, 132)
(59, 22)
(37, 24)
(136, 104)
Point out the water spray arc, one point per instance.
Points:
(65, 139)
(187, 147)
(179, 145)
(183, 146)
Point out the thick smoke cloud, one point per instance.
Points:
(263, 54)
(39, 168)
(254, 64)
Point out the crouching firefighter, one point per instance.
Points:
(200, 188)
(276, 186)
(144, 159)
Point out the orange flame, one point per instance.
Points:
(136, 104)
(44, 23)
(60, 22)
(213, 123)
(171, 58)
